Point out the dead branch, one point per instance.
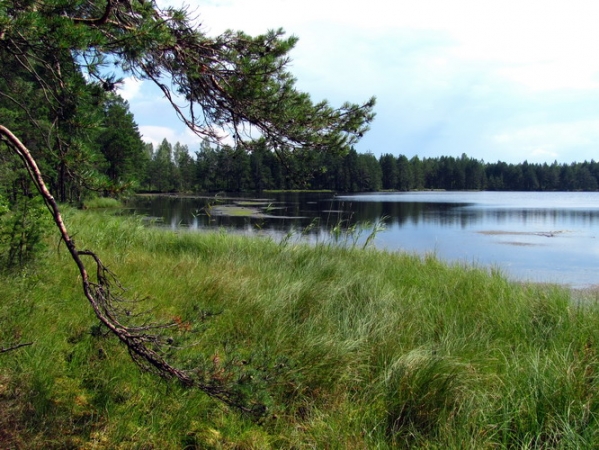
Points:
(14, 347)
(144, 345)
(97, 20)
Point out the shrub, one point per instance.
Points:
(23, 225)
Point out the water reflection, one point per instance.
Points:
(514, 231)
(288, 211)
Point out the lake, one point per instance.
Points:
(529, 236)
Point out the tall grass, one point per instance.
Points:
(101, 202)
(347, 348)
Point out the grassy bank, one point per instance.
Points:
(101, 203)
(347, 349)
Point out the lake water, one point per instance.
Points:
(529, 236)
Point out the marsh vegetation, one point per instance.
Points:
(344, 348)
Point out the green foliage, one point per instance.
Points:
(360, 348)
(119, 141)
(224, 168)
(101, 202)
(22, 231)
(24, 220)
(425, 392)
(468, 173)
(62, 60)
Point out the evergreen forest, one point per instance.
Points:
(88, 143)
(174, 168)
(109, 157)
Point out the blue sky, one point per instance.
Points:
(498, 80)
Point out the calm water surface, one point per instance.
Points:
(535, 236)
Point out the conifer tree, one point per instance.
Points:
(232, 82)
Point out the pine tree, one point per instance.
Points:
(69, 52)
(120, 143)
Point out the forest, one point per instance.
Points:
(91, 145)
(174, 168)
(111, 159)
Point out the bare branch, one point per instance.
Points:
(146, 349)
(99, 20)
(14, 347)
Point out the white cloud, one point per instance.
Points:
(506, 80)
(552, 42)
(130, 88)
(540, 154)
(550, 141)
(567, 73)
(156, 134)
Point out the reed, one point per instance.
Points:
(347, 348)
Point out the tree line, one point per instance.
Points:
(173, 168)
(466, 173)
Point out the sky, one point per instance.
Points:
(508, 80)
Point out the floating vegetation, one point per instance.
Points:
(521, 233)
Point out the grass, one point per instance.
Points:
(102, 202)
(348, 348)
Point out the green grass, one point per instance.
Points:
(102, 202)
(349, 349)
